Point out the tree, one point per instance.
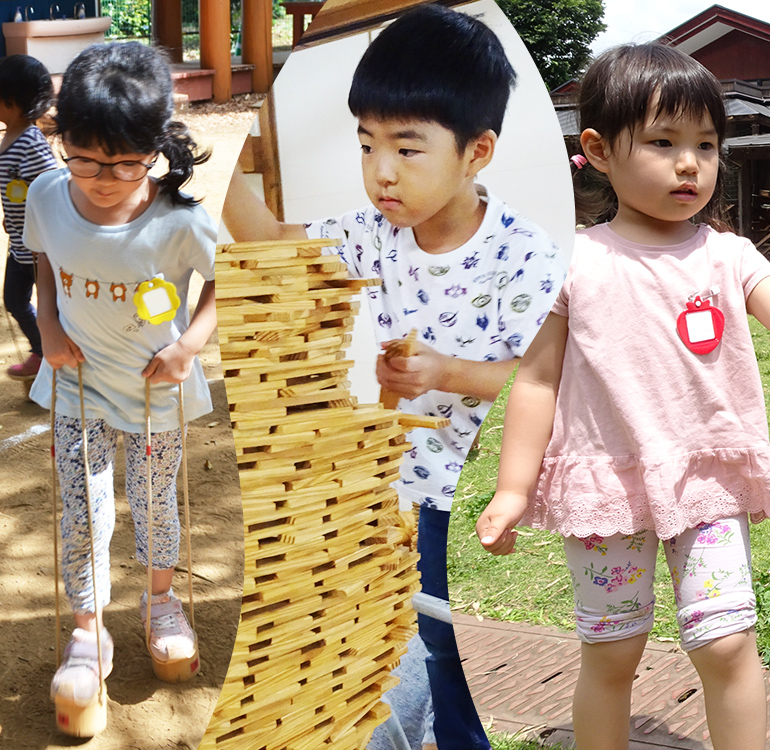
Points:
(129, 19)
(557, 33)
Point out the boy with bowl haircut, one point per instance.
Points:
(474, 278)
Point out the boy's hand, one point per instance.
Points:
(495, 525)
(410, 377)
(59, 349)
(170, 365)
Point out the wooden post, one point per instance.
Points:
(257, 42)
(271, 165)
(167, 27)
(744, 198)
(215, 46)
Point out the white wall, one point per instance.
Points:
(321, 158)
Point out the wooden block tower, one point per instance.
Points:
(329, 571)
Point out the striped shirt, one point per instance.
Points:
(20, 163)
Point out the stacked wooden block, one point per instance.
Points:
(329, 573)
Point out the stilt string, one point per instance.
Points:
(55, 521)
(97, 608)
(148, 452)
(186, 495)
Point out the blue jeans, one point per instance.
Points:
(456, 722)
(17, 293)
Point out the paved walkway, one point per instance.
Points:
(522, 678)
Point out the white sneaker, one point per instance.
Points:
(171, 637)
(77, 678)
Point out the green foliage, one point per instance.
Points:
(130, 18)
(557, 33)
(503, 741)
(133, 18)
(762, 591)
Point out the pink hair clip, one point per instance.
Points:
(579, 160)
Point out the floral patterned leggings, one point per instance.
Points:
(76, 546)
(710, 567)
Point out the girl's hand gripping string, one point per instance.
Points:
(170, 365)
(59, 349)
(527, 430)
(174, 363)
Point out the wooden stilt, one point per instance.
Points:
(83, 721)
(71, 718)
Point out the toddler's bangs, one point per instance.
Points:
(692, 97)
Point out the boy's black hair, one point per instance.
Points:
(119, 97)
(616, 96)
(26, 84)
(439, 65)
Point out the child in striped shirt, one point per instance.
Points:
(26, 94)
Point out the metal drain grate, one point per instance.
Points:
(523, 678)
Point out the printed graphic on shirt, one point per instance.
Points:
(154, 300)
(483, 301)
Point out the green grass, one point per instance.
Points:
(533, 585)
(511, 742)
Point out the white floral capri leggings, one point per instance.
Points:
(710, 568)
(76, 546)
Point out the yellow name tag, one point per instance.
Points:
(17, 191)
(156, 300)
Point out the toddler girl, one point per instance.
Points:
(637, 414)
(106, 231)
(26, 92)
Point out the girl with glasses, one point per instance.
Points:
(117, 249)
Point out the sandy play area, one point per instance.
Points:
(144, 713)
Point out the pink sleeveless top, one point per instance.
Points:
(649, 435)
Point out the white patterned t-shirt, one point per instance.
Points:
(482, 301)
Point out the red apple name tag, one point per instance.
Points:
(701, 326)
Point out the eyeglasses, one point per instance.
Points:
(126, 171)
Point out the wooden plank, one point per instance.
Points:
(271, 162)
(341, 18)
(410, 421)
(406, 347)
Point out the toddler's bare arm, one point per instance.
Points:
(528, 425)
(174, 363)
(758, 303)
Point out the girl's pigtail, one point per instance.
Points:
(595, 200)
(183, 155)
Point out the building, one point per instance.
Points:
(736, 49)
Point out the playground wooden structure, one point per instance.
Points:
(329, 566)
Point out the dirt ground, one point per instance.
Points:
(144, 713)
